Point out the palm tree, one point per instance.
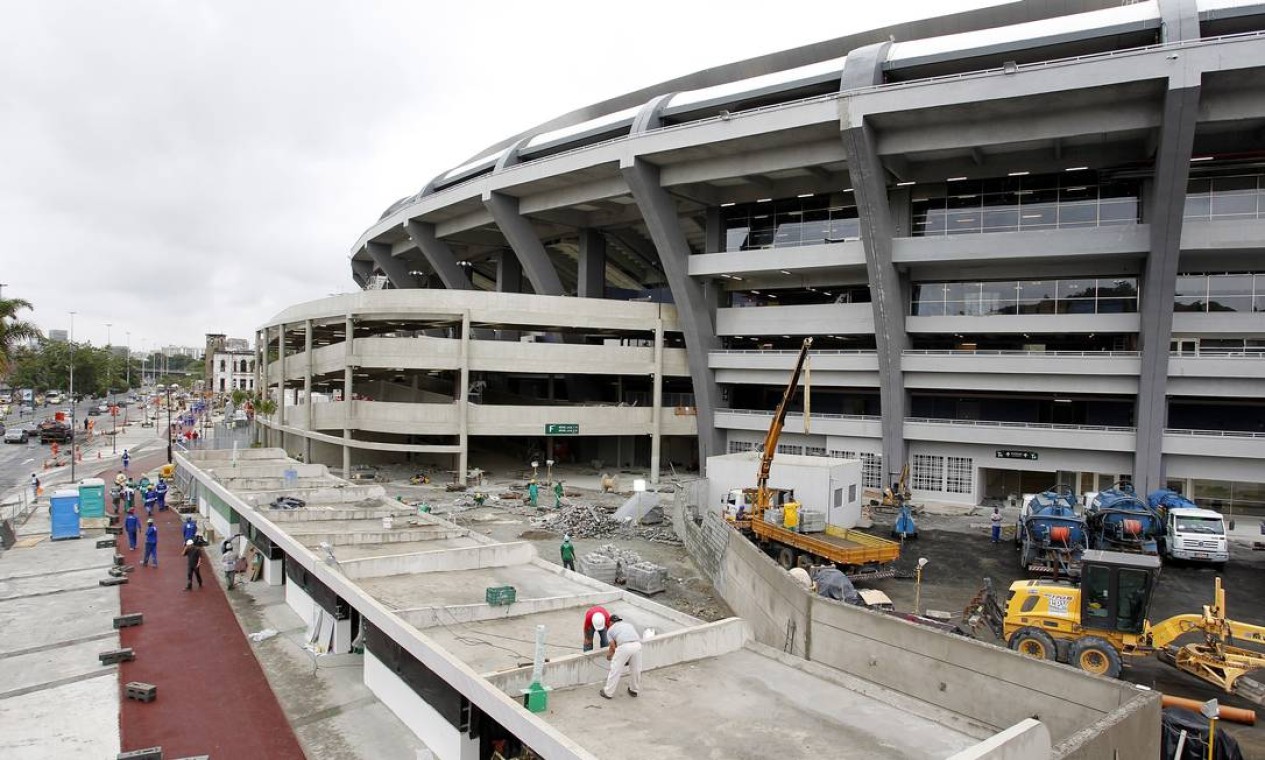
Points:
(13, 331)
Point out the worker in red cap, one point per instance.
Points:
(595, 621)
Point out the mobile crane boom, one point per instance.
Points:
(775, 432)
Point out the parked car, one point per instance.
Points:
(16, 435)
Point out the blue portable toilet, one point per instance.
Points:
(63, 509)
(92, 497)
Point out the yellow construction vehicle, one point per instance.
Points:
(897, 494)
(1094, 624)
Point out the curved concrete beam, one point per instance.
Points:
(527, 247)
(395, 269)
(438, 255)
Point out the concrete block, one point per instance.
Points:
(129, 620)
(117, 581)
(106, 543)
(119, 559)
(151, 753)
(141, 691)
(113, 656)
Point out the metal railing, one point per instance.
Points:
(814, 415)
(784, 352)
(1022, 425)
(1076, 354)
(1214, 433)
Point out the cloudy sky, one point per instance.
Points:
(178, 168)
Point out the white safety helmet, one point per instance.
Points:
(599, 621)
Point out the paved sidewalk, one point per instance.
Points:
(213, 698)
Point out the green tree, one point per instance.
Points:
(14, 332)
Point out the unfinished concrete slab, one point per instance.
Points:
(463, 587)
(748, 704)
(348, 552)
(77, 719)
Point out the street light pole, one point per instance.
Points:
(169, 423)
(129, 361)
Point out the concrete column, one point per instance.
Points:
(349, 357)
(463, 402)
(361, 271)
(274, 572)
(1165, 211)
(396, 270)
(715, 233)
(694, 308)
(869, 183)
(307, 390)
(438, 255)
(281, 382)
(592, 265)
(521, 236)
(509, 279)
(656, 424)
(1179, 20)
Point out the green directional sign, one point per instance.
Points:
(562, 428)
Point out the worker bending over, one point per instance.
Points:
(595, 622)
(624, 649)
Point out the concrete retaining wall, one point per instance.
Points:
(470, 558)
(983, 683)
(395, 536)
(1028, 740)
(700, 642)
(327, 495)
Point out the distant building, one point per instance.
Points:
(195, 352)
(60, 336)
(230, 363)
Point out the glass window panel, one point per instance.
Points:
(963, 222)
(997, 298)
(1242, 184)
(1000, 200)
(1117, 305)
(762, 230)
(1236, 205)
(970, 201)
(1120, 286)
(1073, 193)
(1083, 214)
(1001, 219)
(1077, 306)
(1259, 302)
(788, 229)
(841, 229)
(1198, 187)
(1077, 289)
(737, 229)
(1191, 293)
(1198, 207)
(1122, 211)
(1118, 190)
(1036, 216)
(814, 232)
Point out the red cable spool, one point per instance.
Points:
(1132, 527)
(1061, 533)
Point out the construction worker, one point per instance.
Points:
(127, 460)
(624, 649)
(120, 479)
(557, 495)
(533, 492)
(131, 524)
(228, 561)
(595, 622)
(995, 521)
(150, 500)
(160, 489)
(190, 529)
(116, 496)
(36, 489)
(151, 544)
(568, 553)
(193, 564)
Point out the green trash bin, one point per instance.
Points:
(92, 497)
(499, 596)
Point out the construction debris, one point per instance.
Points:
(589, 521)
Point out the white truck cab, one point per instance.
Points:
(1196, 534)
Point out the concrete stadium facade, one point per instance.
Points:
(1027, 240)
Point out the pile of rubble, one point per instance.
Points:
(588, 521)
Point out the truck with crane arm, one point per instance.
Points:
(859, 555)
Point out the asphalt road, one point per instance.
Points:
(18, 461)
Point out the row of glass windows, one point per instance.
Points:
(1006, 204)
(1220, 292)
(1074, 296)
(809, 220)
(1241, 197)
(1013, 204)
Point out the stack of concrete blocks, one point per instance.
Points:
(647, 577)
(773, 517)
(811, 521)
(598, 567)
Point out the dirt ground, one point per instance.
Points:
(959, 553)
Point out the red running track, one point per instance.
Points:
(213, 698)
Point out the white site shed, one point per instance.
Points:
(821, 484)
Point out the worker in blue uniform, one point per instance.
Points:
(161, 490)
(151, 544)
(189, 529)
(131, 525)
(151, 500)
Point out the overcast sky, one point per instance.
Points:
(178, 168)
